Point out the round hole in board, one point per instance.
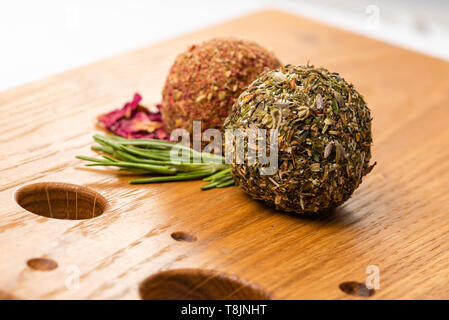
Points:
(356, 289)
(198, 284)
(60, 200)
(42, 264)
(183, 236)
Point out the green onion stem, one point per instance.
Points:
(227, 183)
(154, 157)
(177, 177)
(218, 174)
(149, 167)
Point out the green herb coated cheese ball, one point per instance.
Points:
(324, 139)
(204, 81)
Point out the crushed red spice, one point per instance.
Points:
(204, 81)
(134, 120)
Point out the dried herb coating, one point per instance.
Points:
(324, 138)
(204, 81)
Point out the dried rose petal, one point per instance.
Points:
(135, 121)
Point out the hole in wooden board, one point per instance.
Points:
(183, 236)
(42, 264)
(356, 289)
(61, 200)
(198, 284)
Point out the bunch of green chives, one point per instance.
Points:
(153, 158)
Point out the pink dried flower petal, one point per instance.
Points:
(135, 121)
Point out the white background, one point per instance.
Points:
(40, 38)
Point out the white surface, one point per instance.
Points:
(40, 38)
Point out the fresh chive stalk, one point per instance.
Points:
(152, 157)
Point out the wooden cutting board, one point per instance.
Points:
(396, 223)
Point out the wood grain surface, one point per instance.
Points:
(398, 219)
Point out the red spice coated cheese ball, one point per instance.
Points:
(204, 81)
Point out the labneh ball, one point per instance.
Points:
(204, 81)
(324, 143)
